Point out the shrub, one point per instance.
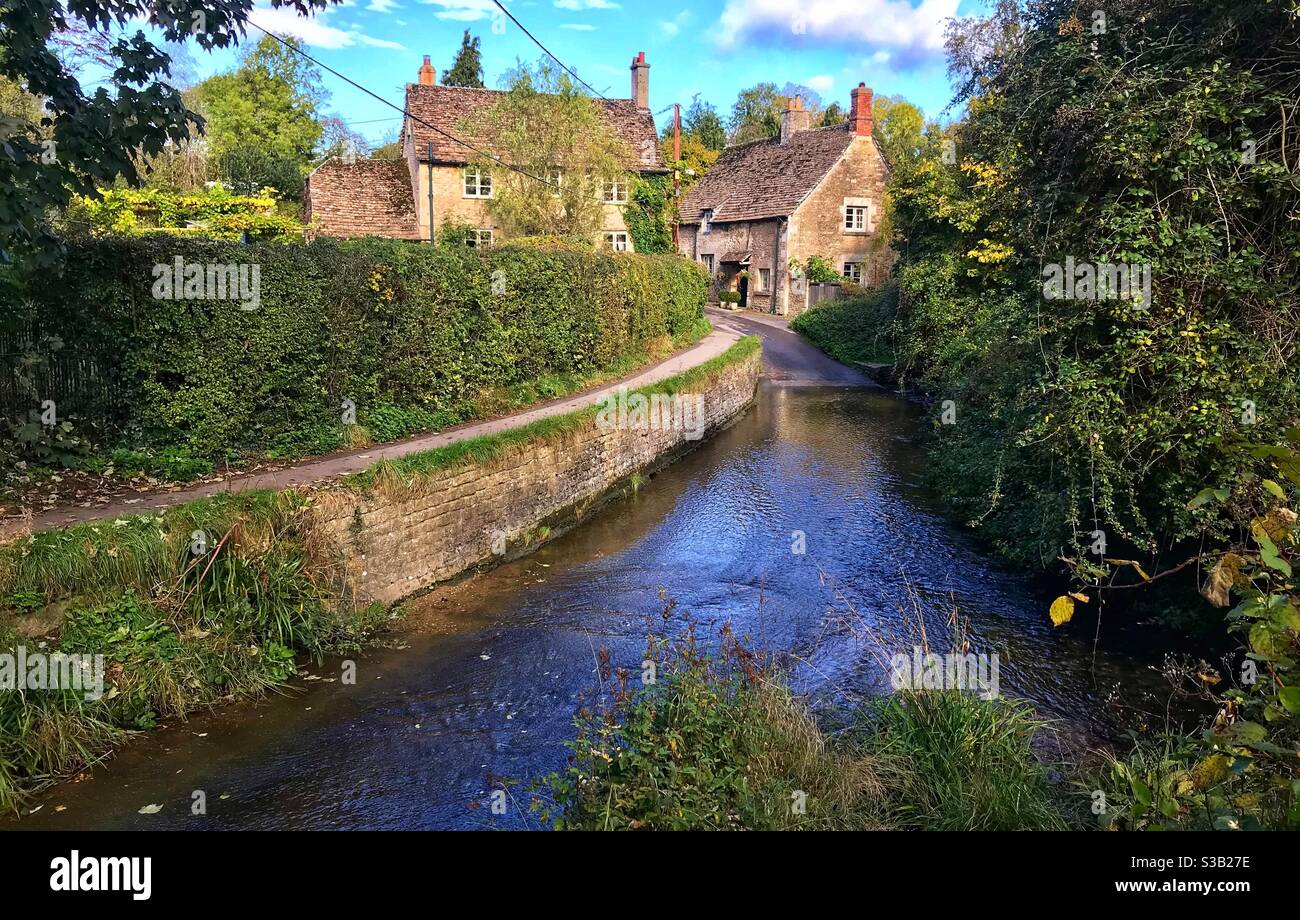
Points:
(399, 329)
(719, 742)
(729, 297)
(854, 329)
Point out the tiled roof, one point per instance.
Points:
(365, 198)
(447, 107)
(766, 178)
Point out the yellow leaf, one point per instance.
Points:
(1062, 610)
(1080, 597)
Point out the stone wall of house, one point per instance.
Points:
(450, 203)
(394, 546)
(817, 226)
(757, 237)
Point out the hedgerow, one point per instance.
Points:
(408, 335)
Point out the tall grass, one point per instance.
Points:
(955, 762)
(719, 742)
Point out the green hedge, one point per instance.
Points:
(854, 329)
(415, 335)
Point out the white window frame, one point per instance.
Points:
(857, 216)
(614, 191)
(764, 280)
(480, 238)
(476, 183)
(617, 240)
(707, 259)
(853, 272)
(706, 220)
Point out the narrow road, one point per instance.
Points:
(340, 464)
(789, 359)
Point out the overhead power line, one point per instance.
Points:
(570, 70)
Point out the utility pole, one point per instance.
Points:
(677, 171)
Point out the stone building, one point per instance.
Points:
(436, 180)
(765, 206)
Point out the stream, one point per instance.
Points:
(485, 685)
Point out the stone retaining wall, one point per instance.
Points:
(395, 545)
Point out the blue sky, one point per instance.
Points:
(711, 47)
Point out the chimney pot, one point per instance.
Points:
(428, 76)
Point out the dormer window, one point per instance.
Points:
(706, 220)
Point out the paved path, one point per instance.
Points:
(788, 358)
(723, 337)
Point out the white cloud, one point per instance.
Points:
(586, 5)
(383, 6)
(313, 30)
(463, 10)
(880, 57)
(823, 83)
(671, 27)
(913, 33)
(578, 27)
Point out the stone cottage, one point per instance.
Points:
(767, 205)
(436, 180)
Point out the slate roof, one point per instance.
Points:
(446, 107)
(766, 178)
(365, 198)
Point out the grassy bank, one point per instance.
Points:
(719, 742)
(208, 602)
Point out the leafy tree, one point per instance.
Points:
(98, 136)
(834, 115)
(550, 130)
(467, 70)
(756, 114)
(703, 124)
(270, 102)
(899, 127)
(696, 159)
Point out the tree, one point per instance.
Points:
(270, 102)
(899, 127)
(551, 131)
(834, 115)
(703, 124)
(467, 69)
(756, 114)
(96, 137)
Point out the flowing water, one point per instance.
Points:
(487, 688)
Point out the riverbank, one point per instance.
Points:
(212, 600)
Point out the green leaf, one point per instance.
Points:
(1272, 487)
(1289, 697)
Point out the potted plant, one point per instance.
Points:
(729, 299)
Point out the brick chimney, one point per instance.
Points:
(428, 76)
(794, 119)
(641, 82)
(860, 111)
